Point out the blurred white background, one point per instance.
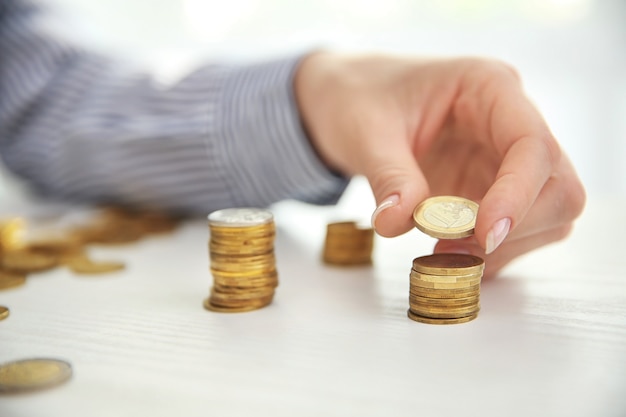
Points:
(571, 53)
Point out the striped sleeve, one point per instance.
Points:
(87, 128)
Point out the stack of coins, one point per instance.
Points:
(347, 244)
(241, 252)
(445, 288)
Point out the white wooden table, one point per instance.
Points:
(550, 339)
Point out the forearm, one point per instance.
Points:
(84, 127)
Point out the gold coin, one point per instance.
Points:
(348, 230)
(240, 249)
(230, 289)
(253, 302)
(449, 264)
(244, 286)
(347, 247)
(32, 374)
(260, 268)
(428, 320)
(418, 299)
(211, 307)
(445, 313)
(84, 265)
(235, 259)
(216, 294)
(4, 312)
(416, 282)
(342, 262)
(446, 217)
(12, 234)
(25, 261)
(54, 244)
(11, 279)
(450, 279)
(243, 274)
(253, 281)
(445, 293)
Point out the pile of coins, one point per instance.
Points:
(445, 288)
(347, 244)
(26, 250)
(243, 265)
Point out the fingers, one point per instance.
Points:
(398, 186)
(530, 157)
(509, 250)
(560, 202)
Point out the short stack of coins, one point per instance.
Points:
(347, 244)
(242, 261)
(445, 288)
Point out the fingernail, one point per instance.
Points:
(392, 201)
(497, 234)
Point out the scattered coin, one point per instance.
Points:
(33, 374)
(4, 312)
(446, 217)
(26, 261)
(12, 234)
(242, 261)
(10, 279)
(84, 265)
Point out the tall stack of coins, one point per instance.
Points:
(445, 288)
(347, 244)
(241, 252)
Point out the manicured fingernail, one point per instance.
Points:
(392, 201)
(497, 234)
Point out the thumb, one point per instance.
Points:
(398, 185)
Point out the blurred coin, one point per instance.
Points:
(26, 261)
(4, 312)
(11, 279)
(86, 266)
(32, 374)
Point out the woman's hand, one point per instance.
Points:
(422, 127)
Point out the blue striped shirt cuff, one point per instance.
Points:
(266, 154)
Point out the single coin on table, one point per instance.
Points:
(446, 217)
(33, 374)
(4, 312)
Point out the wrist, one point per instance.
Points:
(314, 84)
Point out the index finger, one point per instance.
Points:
(529, 155)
